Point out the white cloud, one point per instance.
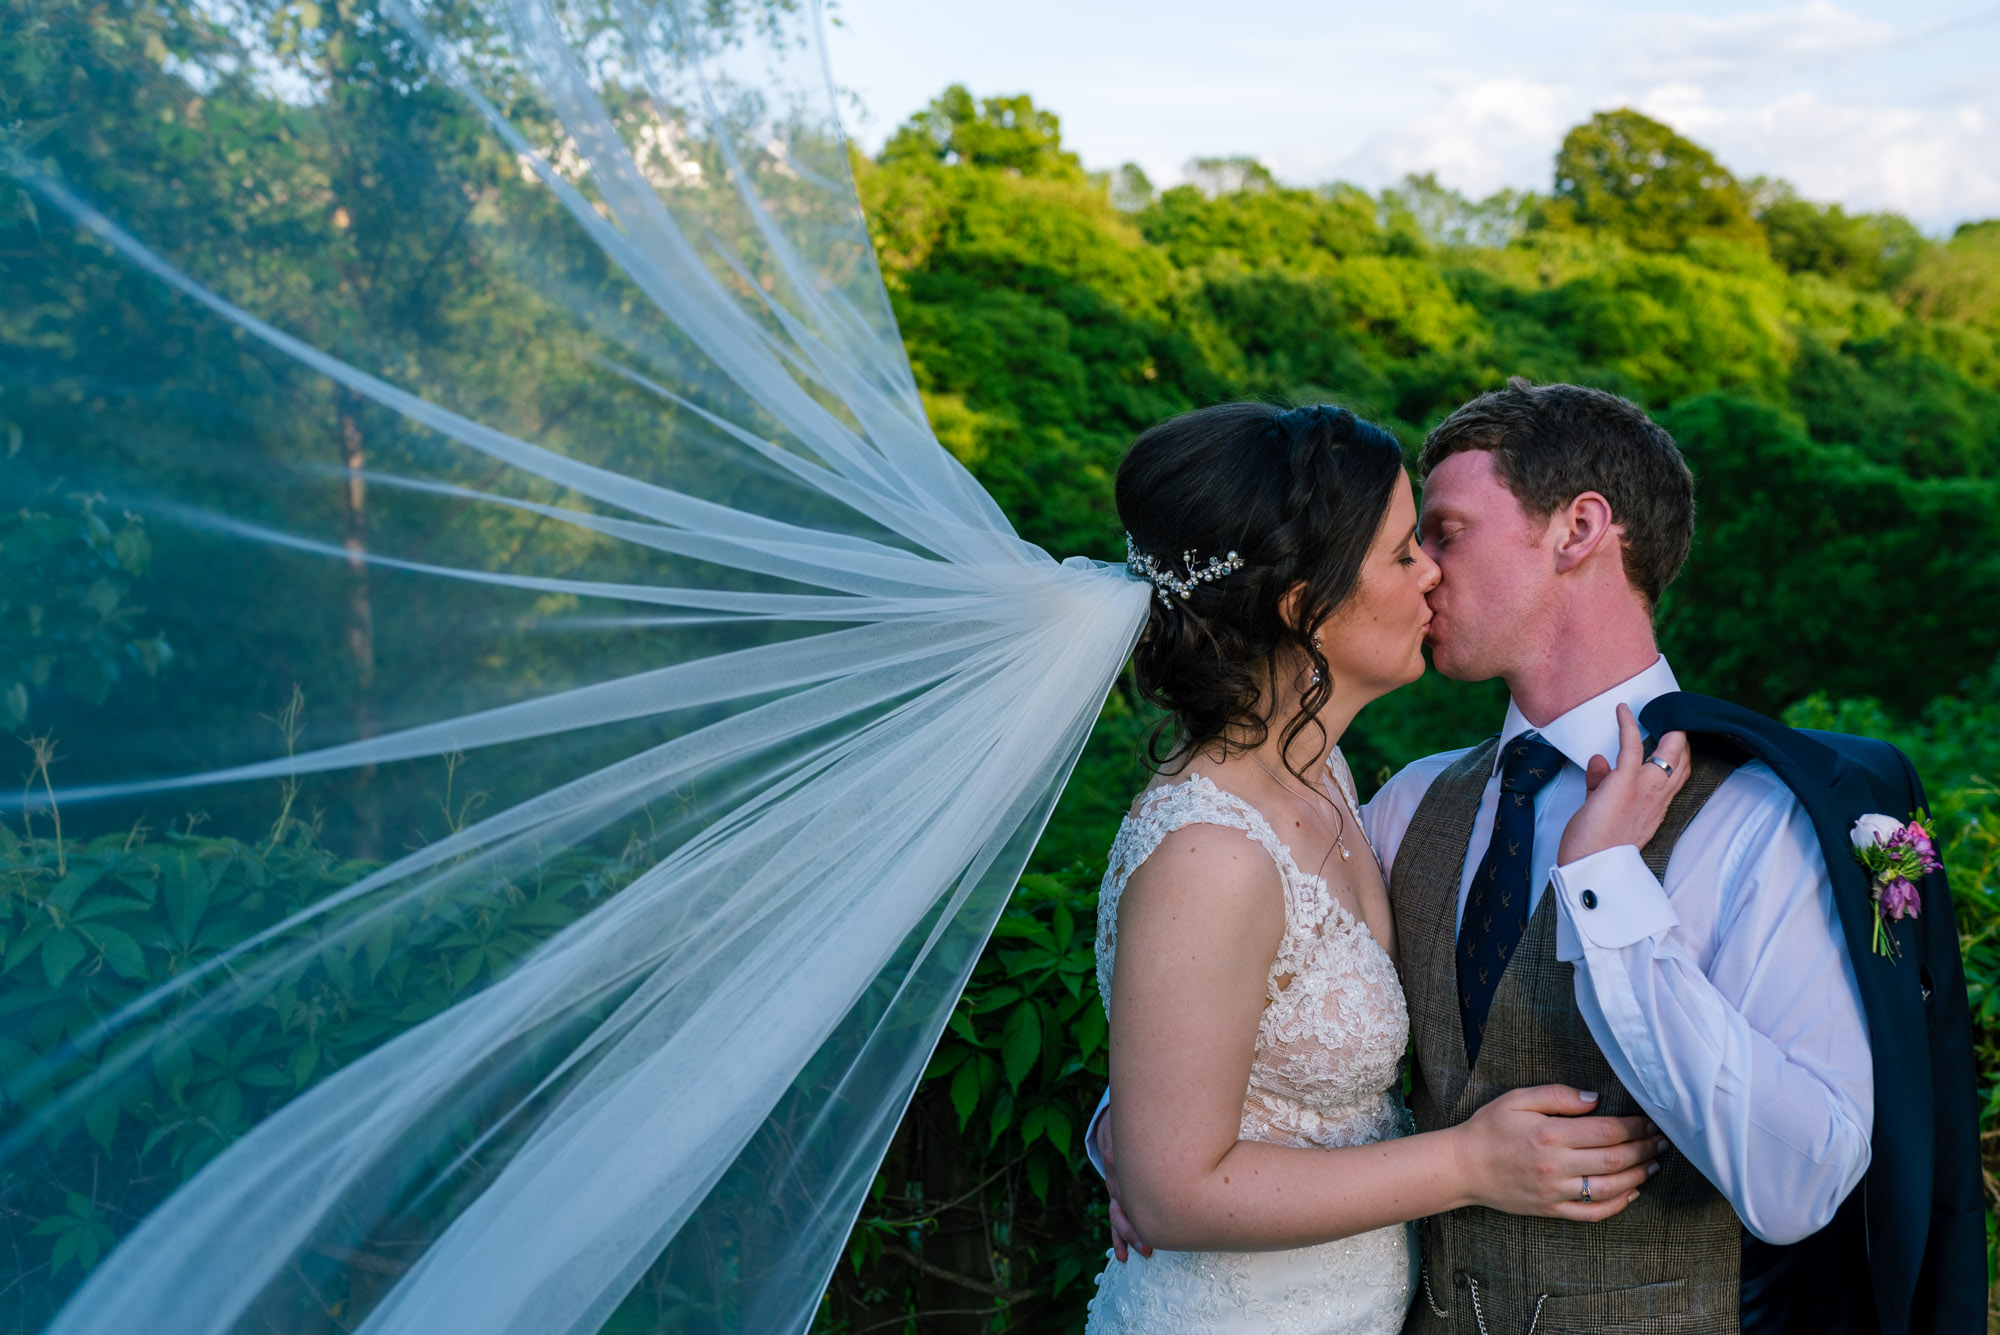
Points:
(1680, 47)
(1932, 163)
(1489, 133)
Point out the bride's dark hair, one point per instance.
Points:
(1298, 494)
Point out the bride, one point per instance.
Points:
(1245, 948)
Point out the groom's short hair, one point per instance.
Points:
(1552, 443)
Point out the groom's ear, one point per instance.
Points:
(1584, 528)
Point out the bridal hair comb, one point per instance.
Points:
(1164, 580)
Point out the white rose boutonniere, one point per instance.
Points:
(1895, 854)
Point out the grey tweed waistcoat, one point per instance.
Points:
(1669, 1262)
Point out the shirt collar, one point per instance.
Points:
(1591, 729)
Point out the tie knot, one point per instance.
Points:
(1528, 765)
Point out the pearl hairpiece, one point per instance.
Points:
(1164, 580)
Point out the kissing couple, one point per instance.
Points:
(1679, 1065)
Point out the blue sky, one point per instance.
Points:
(1874, 105)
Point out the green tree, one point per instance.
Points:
(1862, 250)
(1818, 569)
(1011, 134)
(1629, 175)
(1959, 282)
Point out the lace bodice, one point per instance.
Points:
(1324, 1069)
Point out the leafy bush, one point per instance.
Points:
(66, 605)
(986, 1209)
(87, 927)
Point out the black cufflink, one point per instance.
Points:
(1590, 899)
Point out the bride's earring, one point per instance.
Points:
(1315, 676)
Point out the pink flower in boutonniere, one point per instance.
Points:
(1895, 855)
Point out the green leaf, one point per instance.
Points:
(1003, 1117)
(61, 952)
(1090, 1031)
(141, 877)
(15, 1057)
(120, 951)
(103, 906)
(1058, 1130)
(245, 1047)
(381, 940)
(131, 549)
(173, 1065)
(102, 597)
(965, 1092)
(223, 1101)
(24, 944)
(65, 1250)
(100, 1119)
(945, 1060)
(994, 1000)
(1038, 1176)
(63, 896)
(339, 966)
(158, 1134)
(1021, 1042)
(186, 891)
(1031, 1123)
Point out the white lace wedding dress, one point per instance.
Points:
(1323, 1074)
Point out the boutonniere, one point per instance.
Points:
(1894, 855)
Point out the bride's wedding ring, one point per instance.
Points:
(1586, 1191)
(1664, 766)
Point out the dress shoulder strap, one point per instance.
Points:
(1343, 774)
(1193, 801)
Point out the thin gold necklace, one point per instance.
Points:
(1340, 831)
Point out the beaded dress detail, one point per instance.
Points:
(1323, 1073)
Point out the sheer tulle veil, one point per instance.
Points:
(515, 381)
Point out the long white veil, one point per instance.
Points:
(515, 379)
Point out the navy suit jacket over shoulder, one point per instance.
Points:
(1921, 1206)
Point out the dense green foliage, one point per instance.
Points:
(1834, 378)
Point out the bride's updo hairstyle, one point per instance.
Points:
(1296, 496)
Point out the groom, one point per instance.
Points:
(1720, 980)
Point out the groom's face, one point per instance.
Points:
(1495, 569)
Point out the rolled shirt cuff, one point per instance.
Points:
(1609, 900)
(1090, 1132)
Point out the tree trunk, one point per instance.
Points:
(367, 804)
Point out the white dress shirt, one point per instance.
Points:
(1724, 1000)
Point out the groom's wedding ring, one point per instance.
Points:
(1664, 766)
(1586, 1191)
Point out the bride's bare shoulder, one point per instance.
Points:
(1203, 868)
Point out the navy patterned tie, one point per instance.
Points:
(1496, 909)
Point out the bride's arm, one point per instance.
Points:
(1198, 928)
